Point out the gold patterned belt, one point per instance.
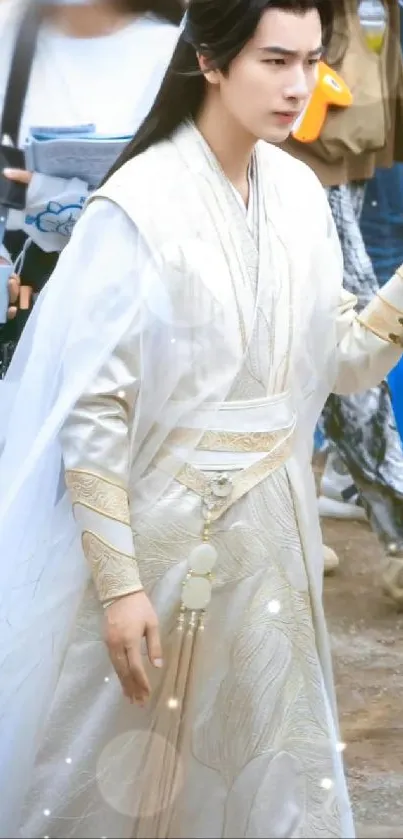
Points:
(218, 494)
(225, 441)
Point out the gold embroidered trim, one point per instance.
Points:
(242, 482)
(226, 441)
(398, 312)
(115, 573)
(98, 494)
(384, 320)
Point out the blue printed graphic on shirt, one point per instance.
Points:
(56, 218)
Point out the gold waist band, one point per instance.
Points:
(240, 483)
(226, 441)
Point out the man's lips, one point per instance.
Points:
(287, 116)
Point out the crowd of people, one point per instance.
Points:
(175, 340)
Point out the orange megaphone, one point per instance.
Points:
(330, 90)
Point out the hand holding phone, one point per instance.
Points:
(19, 176)
(5, 273)
(13, 193)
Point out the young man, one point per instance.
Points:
(197, 323)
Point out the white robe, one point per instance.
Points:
(251, 737)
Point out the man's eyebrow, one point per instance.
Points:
(290, 53)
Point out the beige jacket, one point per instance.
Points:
(349, 52)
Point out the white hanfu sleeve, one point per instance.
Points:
(95, 437)
(370, 343)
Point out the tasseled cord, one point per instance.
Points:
(161, 776)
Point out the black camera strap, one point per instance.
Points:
(17, 86)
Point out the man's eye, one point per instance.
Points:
(277, 62)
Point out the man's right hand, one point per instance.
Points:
(14, 284)
(127, 621)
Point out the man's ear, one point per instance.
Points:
(211, 76)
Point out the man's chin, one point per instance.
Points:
(277, 134)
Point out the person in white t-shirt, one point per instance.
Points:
(99, 62)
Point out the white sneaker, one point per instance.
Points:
(331, 508)
(339, 497)
(330, 560)
(392, 577)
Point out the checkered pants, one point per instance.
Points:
(362, 427)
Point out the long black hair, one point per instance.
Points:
(218, 30)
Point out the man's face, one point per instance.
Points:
(270, 81)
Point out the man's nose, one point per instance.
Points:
(298, 87)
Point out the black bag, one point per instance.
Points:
(14, 195)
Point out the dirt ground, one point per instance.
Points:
(367, 640)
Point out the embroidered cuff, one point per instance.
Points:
(384, 314)
(114, 573)
(101, 509)
(98, 494)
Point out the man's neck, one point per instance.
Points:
(232, 146)
(93, 20)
